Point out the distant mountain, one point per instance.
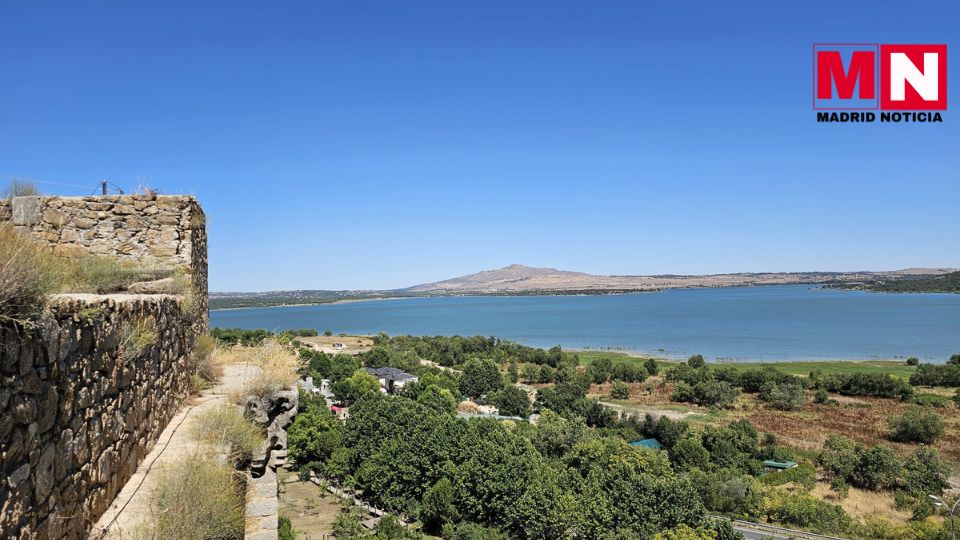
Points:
(515, 277)
(520, 279)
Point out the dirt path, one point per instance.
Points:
(131, 508)
(642, 410)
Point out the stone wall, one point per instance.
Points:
(165, 230)
(84, 396)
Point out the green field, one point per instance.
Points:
(894, 368)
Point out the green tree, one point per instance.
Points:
(924, 474)
(355, 386)
(390, 528)
(689, 452)
(840, 456)
(652, 367)
(342, 366)
(696, 361)
(314, 435)
(916, 425)
(348, 524)
(530, 373)
(377, 357)
(480, 377)
(437, 507)
(548, 507)
(511, 401)
(471, 531)
(547, 374)
(556, 435)
(878, 468)
(438, 399)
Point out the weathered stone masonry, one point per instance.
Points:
(162, 229)
(80, 406)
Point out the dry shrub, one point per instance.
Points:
(225, 425)
(20, 188)
(276, 366)
(202, 362)
(27, 274)
(196, 498)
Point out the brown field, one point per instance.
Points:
(861, 418)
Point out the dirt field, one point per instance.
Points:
(351, 344)
(310, 508)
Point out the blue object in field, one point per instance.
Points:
(652, 444)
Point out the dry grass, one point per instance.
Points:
(861, 503)
(27, 275)
(29, 271)
(204, 369)
(225, 425)
(866, 422)
(137, 335)
(277, 367)
(20, 188)
(196, 498)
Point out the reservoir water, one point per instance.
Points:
(772, 323)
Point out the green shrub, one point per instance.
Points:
(285, 530)
(803, 510)
(783, 396)
(620, 390)
(930, 400)
(197, 498)
(916, 425)
(913, 361)
(803, 475)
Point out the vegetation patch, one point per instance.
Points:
(136, 336)
(225, 426)
(196, 498)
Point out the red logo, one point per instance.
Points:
(911, 77)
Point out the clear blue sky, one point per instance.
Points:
(382, 144)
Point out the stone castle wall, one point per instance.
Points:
(166, 230)
(86, 391)
(83, 404)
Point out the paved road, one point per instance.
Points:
(758, 531)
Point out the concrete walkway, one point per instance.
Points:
(131, 509)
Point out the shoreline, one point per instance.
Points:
(740, 361)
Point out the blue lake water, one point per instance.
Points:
(740, 323)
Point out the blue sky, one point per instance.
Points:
(382, 144)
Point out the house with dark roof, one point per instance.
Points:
(392, 380)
